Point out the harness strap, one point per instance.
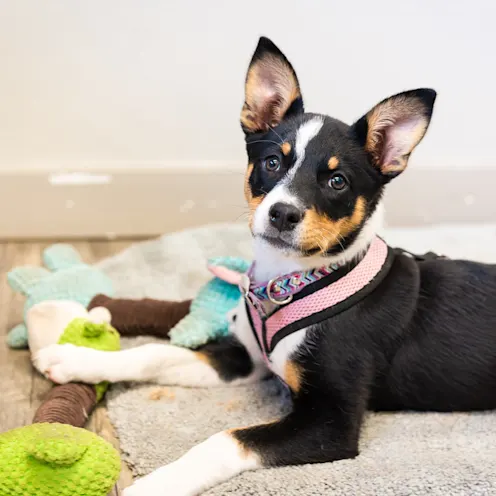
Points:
(321, 300)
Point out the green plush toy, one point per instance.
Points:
(65, 278)
(60, 458)
(56, 460)
(97, 335)
(207, 318)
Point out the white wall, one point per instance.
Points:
(116, 83)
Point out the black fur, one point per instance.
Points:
(364, 178)
(428, 333)
(311, 181)
(228, 357)
(424, 339)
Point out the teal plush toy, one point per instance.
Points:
(66, 277)
(207, 319)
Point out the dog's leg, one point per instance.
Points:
(323, 426)
(297, 439)
(225, 362)
(233, 360)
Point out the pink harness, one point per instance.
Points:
(309, 297)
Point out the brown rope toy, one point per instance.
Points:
(73, 403)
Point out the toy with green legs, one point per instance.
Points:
(54, 456)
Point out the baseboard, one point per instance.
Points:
(127, 203)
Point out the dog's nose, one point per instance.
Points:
(284, 216)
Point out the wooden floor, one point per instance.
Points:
(21, 387)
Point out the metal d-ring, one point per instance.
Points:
(272, 299)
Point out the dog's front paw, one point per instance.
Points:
(166, 481)
(63, 363)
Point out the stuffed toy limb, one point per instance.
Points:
(142, 317)
(66, 277)
(186, 323)
(54, 456)
(207, 319)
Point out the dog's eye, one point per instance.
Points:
(272, 164)
(337, 182)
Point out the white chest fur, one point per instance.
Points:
(283, 351)
(270, 263)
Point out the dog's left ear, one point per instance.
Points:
(394, 127)
(272, 91)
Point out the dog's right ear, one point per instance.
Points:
(272, 91)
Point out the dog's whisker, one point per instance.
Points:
(235, 173)
(263, 141)
(235, 205)
(275, 132)
(241, 216)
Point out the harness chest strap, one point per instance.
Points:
(319, 300)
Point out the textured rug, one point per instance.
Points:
(401, 454)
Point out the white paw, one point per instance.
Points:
(166, 481)
(63, 363)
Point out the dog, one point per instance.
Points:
(348, 323)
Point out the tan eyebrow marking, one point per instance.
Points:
(333, 163)
(286, 148)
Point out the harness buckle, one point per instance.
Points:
(272, 298)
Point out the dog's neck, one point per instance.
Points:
(270, 262)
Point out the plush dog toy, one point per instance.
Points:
(54, 456)
(65, 278)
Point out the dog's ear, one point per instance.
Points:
(394, 127)
(272, 91)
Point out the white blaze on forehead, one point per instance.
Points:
(281, 192)
(306, 132)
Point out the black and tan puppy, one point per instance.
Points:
(392, 332)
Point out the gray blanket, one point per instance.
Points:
(401, 454)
